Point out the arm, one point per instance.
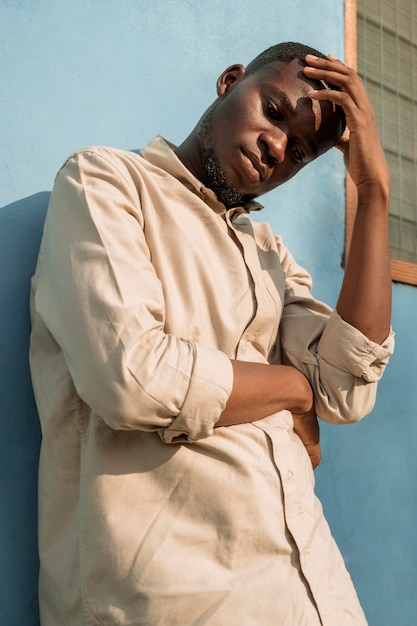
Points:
(110, 324)
(335, 354)
(260, 390)
(344, 353)
(365, 297)
(99, 296)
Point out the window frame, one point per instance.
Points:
(401, 271)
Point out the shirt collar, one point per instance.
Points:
(160, 152)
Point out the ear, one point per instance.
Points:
(229, 78)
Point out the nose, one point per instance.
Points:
(275, 142)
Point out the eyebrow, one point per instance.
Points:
(285, 100)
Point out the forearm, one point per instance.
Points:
(365, 296)
(260, 390)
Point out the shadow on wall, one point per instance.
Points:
(21, 226)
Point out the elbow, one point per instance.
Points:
(138, 389)
(348, 407)
(125, 405)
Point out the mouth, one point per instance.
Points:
(253, 167)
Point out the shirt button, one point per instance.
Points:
(290, 474)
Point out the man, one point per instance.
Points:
(179, 361)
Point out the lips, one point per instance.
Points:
(253, 167)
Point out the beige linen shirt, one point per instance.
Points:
(145, 288)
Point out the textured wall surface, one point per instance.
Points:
(112, 72)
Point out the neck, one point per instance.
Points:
(189, 152)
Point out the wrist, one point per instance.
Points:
(302, 394)
(374, 192)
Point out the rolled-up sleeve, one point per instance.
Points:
(342, 365)
(345, 348)
(100, 298)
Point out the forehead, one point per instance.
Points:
(277, 74)
(277, 71)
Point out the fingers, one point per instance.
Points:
(329, 69)
(363, 153)
(314, 452)
(352, 97)
(307, 428)
(335, 72)
(330, 63)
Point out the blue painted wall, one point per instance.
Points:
(113, 72)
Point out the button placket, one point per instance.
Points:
(297, 520)
(265, 308)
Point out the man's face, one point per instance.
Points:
(263, 130)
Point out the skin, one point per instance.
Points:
(262, 129)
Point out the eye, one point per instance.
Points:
(272, 110)
(297, 155)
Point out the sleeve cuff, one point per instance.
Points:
(210, 386)
(346, 348)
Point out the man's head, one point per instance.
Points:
(263, 127)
